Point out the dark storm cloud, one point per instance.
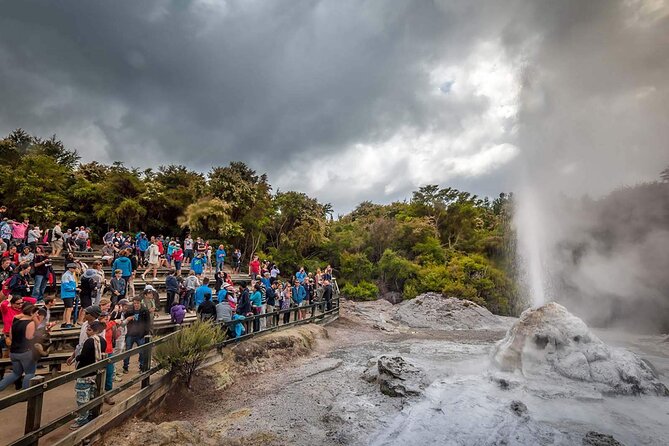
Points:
(200, 83)
(277, 84)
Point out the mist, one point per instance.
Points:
(593, 216)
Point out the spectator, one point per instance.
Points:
(256, 305)
(137, 320)
(202, 292)
(254, 267)
(68, 290)
(172, 285)
(220, 258)
(117, 287)
(197, 264)
(177, 313)
(56, 240)
(21, 350)
(178, 257)
(207, 309)
(188, 248)
(191, 283)
(18, 285)
(92, 351)
(244, 302)
(153, 256)
(42, 265)
(327, 294)
(124, 264)
(10, 309)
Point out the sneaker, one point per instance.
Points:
(118, 379)
(109, 401)
(76, 425)
(125, 371)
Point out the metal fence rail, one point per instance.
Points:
(34, 395)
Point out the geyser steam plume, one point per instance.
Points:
(592, 121)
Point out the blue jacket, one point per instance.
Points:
(198, 265)
(172, 283)
(256, 299)
(124, 264)
(143, 244)
(300, 276)
(220, 255)
(239, 328)
(200, 292)
(299, 294)
(68, 287)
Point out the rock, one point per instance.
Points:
(433, 310)
(593, 438)
(518, 407)
(549, 342)
(396, 377)
(393, 297)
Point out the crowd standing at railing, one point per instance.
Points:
(113, 317)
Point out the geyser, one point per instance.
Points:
(550, 343)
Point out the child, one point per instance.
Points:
(177, 313)
(198, 265)
(117, 286)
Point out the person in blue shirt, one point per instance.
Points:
(123, 263)
(197, 265)
(300, 275)
(220, 258)
(266, 281)
(202, 291)
(256, 304)
(299, 296)
(142, 245)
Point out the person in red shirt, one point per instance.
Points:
(13, 254)
(254, 267)
(10, 308)
(109, 333)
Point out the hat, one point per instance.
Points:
(71, 265)
(124, 302)
(94, 311)
(104, 314)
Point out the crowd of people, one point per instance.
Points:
(110, 315)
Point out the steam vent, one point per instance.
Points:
(549, 342)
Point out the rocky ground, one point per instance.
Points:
(381, 376)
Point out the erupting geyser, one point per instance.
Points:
(549, 342)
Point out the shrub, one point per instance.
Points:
(355, 268)
(362, 291)
(395, 270)
(187, 348)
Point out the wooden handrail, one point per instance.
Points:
(34, 395)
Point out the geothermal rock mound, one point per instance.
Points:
(433, 310)
(550, 342)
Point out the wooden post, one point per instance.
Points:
(146, 364)
(99, 389)
(34, 409)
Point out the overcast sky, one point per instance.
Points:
(350, 100)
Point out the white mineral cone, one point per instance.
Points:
(550, 342)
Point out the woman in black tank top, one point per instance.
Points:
(21, 350)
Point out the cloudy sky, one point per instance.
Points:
(349, 100)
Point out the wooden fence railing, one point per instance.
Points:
(34, 395)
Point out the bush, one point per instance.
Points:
(355, 268)
(395, 270)
(187, 348)
(362, 291)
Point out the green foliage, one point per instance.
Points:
(187, 348)
(364, 290)
(395, 270)
(355, 267)
(429, 251)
